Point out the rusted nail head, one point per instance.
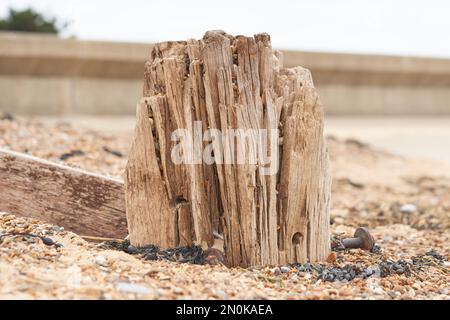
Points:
(368, 241)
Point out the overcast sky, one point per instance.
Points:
(408, 27)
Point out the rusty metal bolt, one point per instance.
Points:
(362, 239)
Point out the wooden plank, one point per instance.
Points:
(80, 201)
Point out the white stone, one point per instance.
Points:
(132, 288)
(285, 269)
(408, 208)
(101, 260)
(276, 271)
(378, 290)
(221, 294)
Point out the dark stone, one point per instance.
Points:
(151, 256)
(132, 249)
(376, 248)
(6, 116)
(113, 152)
(71, 154)
(47, 241)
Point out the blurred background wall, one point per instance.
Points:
(43, 74)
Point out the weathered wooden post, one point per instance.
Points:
(273, 207)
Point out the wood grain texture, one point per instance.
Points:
(80, 201)
(229, 82)
(149, 213)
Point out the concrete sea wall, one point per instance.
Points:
(45, 75)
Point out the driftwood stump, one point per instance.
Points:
(267, 190)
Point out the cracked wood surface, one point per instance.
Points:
(238, 83)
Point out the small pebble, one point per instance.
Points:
(132, 249)
(214, 256)
(285, 269)
(132, 288)
(101, 261)
(332, 257)
(151, 256)
(443, 291)
(400, 270)
(374, 271)
(56, 228)
(376, 248)
(392, 294)
(47, 241)
(345, 292)
(408, 208)
(276, 271)
(300, 268)
(6, 116)
(221, 294)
